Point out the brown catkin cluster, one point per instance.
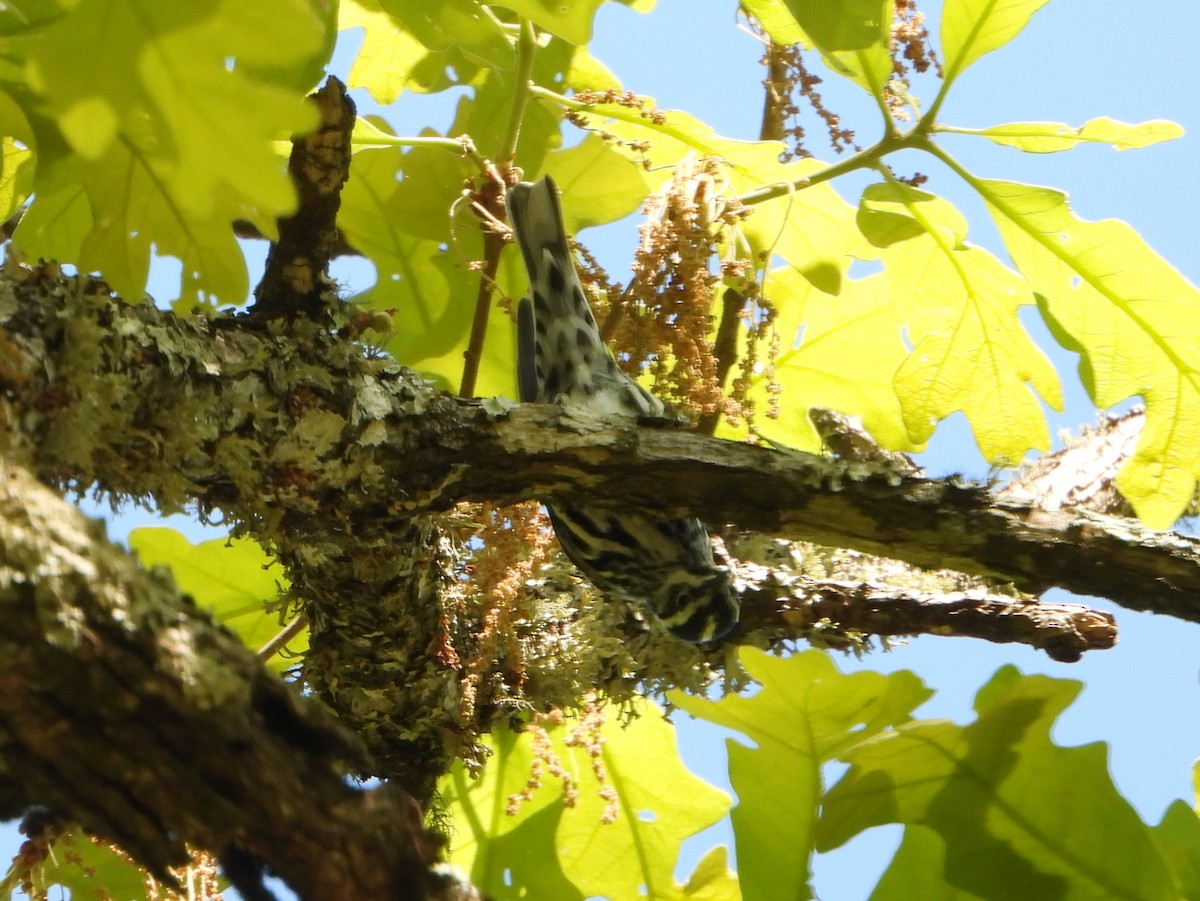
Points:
(545, 760)
(911, 52)
(510, 543)
(663, 321)
(621, 98)
(910, 40)
(760, 335)
(790, 80)
(201, 881)
(587, 734)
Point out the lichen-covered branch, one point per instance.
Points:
(126, 709)
(841, 598)
(285, 438)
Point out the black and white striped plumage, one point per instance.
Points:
(666, 563)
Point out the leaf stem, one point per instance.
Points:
(526, 49)
(864, 159)
(462, 144)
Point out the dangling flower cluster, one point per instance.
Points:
(664, 319)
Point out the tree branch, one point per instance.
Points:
(125, 708)
(296, 280)
(338, 425)
(873, 508)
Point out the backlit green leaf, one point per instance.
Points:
(507, 847)
(826, 368)
(1052, 137)
(806, 714)
(777, 20)
(983, 789)
(87, 868)
(679, 134)
(917, 871)
(389, 54)
(570, 21)
(970, 351)
(1178, 836)
(659, 805)
(233, 578)
(1136, 321)
(842, 24)
(886, 215)
(540, 848)
(174, 137)
(851, 36)
(598, 184)
(16, 176)
(972, 28)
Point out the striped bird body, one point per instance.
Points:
(665, 563)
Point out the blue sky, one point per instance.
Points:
(1078, 59)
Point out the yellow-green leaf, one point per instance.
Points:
(918, 870)
(851, 36)
(659, 804)
(506, 845)
(1134, 319)
(540, 848)
(16, 176)
(826, 367)
(807, 228)
(388, 55)
(1178, 836)
(972, 28)
(171, 139)
(233, 578)
(678, 134)
(598, 184)
(462, 24)
(425, 47)
(570, 21)
(803, 227)
(973, 785)
(885, 215)
(834, 25)
(712, 879)
(1052, 137)
(777, 20)
(971, 352)
(806, 714)
(88, 869)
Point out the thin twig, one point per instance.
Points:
(279, 641)
(493, 243)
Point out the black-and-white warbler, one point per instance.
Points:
(665, 563)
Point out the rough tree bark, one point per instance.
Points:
(126, 709)
(344, 465)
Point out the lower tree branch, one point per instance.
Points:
(126, 709)
(1064, 631)
(840, 599)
